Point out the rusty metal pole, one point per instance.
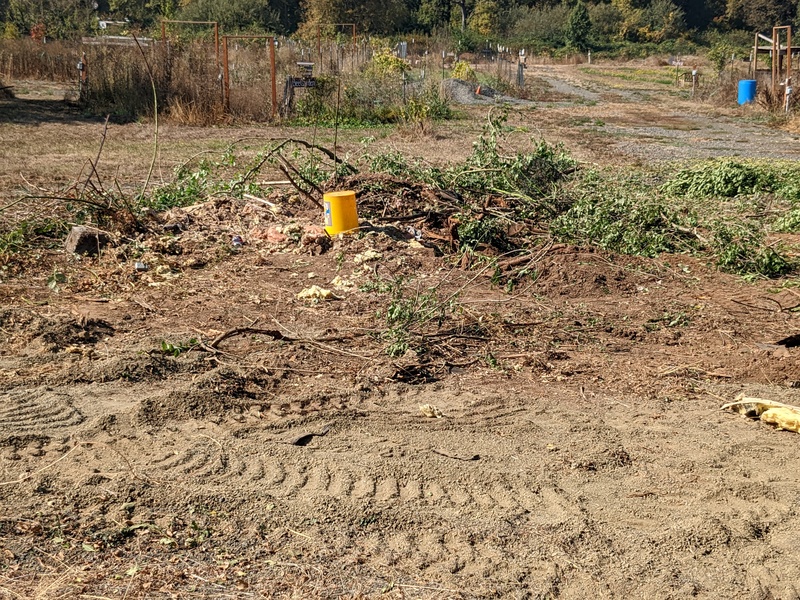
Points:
(226, 92)
(274, 76)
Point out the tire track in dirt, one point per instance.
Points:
(311, 478)
(34, 411)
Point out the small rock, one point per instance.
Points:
(430, 411)
(86, 240)
(271, 235)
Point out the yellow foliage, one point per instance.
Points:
(463, 70)
(384, 62)
(10, 32)
(485, 17)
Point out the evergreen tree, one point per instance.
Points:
(579, 27)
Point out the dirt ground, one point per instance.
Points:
(573, 444)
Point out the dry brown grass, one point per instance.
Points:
(186, 77)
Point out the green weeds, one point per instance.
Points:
(623, 215)
(410, 313)
(28, 233)
(175, 350)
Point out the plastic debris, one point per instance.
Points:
(140, 267)
(367, 256)
(783, 416)
(315, 293)
(413, 231)
(340, 283)
(237, 242)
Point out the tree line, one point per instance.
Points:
(549, 23)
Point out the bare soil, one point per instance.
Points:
(578, 452)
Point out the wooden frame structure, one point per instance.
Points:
(781, 54)
(226, 82)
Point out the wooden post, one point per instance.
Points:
(755, 58)
(163, 31)
(775, 60)
(83, 79)
(226, 82)
(788, 53)
(274, 75)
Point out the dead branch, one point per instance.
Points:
(303, 192)
(273, 333)
(299, 175)
(97, 159)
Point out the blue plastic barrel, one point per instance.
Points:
(747, 91)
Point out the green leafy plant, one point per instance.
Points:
(409, 312)
(624, 217)
(188, 187)
(176, 350)
(723, 177)
(740, 247)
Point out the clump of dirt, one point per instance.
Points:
(60, 335)
(212, 393)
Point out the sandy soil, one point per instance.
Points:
(579, 449)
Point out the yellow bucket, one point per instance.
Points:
(341, 215)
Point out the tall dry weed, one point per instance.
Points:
(187, 77)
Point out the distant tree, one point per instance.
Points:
(579, 27)
(651, 22)
(663, 19)
(760, 15)
(235, 15)
(700, 14)
(541, 26)
(485, 19)
(607, 21)
(55, 18)
(371, 16)
(462, 5)
(140, 13)
(438, 13)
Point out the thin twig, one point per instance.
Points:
(36, 472)
(299, 175)
(97, 159)
(155, 117)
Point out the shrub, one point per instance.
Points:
(463, 70)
